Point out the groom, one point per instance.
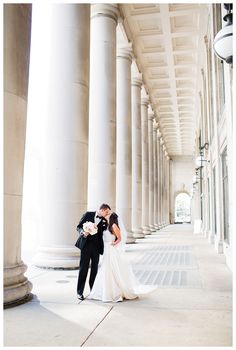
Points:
(93, 246)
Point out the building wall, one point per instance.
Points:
(182, 171)
(215, 128)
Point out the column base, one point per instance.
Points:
(219, 246)
(146, 230)
(130, 240)
(57, 258)
(152, 228)
(197, 226)
(17, 287)
(137, 233)
(211, 238)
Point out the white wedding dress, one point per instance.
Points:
(115, 279)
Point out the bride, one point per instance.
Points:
(115, 279)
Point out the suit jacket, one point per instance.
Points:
(95, 240)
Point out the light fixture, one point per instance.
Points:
(205, 146)
(200, 160)
(223, 42)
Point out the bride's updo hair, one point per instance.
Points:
(113, 220)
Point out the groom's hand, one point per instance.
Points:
(86, 234)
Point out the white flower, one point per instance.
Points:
(90, 227)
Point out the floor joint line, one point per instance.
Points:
(96, 326)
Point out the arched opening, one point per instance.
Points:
(182, 208)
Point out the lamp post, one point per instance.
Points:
(223, 42)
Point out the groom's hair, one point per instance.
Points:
(104, 207)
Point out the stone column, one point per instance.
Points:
(164, 185)
(17, 32)
(161, 183)
(159, 179)
(168, 189)
(145, 178)
(136, 158)
(102, 107)
(65, 148)
(155, 125)
(123, 139)
(151, 116)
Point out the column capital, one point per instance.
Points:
(144, 97)
(145, 101)
(155, 127)
(151, 114)
(125, 51)
(158, 134)
(137, 81)
(105, 10)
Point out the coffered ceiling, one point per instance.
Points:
(168, 45)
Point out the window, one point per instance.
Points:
(210, 80)
(182, 208)
(219, 66)
(214, 200)
(225, 195)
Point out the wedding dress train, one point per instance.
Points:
(115, 279)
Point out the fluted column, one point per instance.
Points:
(165, 187)
(17, 288)
(158, 177)
(168, 190)
(123, 139)
(161, 183)
(155, 125)
(65, 139)
(136, 158)
(102, 107)
(145, 177)
(151, 117)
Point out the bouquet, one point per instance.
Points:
(90, 227)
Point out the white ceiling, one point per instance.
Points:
(168, 45)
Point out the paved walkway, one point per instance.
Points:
(191, 306)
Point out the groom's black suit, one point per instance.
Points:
(93, 247)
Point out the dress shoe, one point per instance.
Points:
(80, 297)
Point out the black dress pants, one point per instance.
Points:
(88, 253)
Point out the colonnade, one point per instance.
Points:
(101, 140)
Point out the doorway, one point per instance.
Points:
(182, 208)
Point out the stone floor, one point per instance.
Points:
(192, 305)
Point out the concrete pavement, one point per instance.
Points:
(192, 305)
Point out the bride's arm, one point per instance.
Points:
(116, 231)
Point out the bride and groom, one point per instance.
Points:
(101, 233)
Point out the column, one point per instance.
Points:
(168, 189)
(123, 138)
(145, 177)
(164, 186)
(161, 182)
(17, 288)
(102, 107)
(158, 179)
(65, 138)
(151, 117)
(155, 125)
(136, 158)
